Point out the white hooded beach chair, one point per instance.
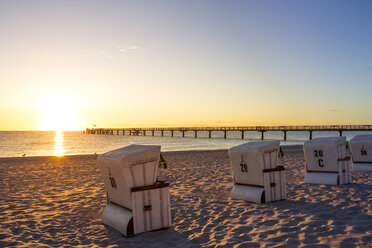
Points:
(327, 161)
(137, 202)
(257, 178)
(361, 148)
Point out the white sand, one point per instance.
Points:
(56, 202)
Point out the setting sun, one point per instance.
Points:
(59, 114)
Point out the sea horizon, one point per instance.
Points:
(63, 143)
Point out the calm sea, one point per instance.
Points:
(29, 143)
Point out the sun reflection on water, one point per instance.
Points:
(58, 144)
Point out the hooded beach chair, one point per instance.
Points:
(137, 202)
(327, 161)
(257, 178)
(361, 148)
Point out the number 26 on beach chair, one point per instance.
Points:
(257, 178)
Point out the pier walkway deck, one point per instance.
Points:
(242, 129)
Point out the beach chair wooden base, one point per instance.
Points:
(275, 184)
(274, 188)
(362, 166)
(342, 176)
(151, 207)
(150, 211)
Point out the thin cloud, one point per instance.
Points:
(119, 51)
(128, 49)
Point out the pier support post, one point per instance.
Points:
(196, 134)
(144, 133)
(224, 134)
(112, 132)
(172, 133)
(183, 133)
(284, 135)
(242, 134)
(210, 133)
(130, 132)
(310, 135)
(162, 133)
(262, 135)
(340, 133)
(117, 132)
(152, 132)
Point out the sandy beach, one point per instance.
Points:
(58, 202)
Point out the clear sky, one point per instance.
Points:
(72, 64)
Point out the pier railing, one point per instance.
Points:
(242, 129)
(258, 128)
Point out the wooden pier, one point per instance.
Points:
(262, 129)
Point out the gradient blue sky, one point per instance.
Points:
(182, 63)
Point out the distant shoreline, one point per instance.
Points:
(88, 155)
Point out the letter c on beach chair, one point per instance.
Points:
(257, 178)
(137, 202)
(327, 161)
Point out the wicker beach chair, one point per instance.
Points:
(361, 148)
(327, 161)
(257, 178)
(137, 202)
